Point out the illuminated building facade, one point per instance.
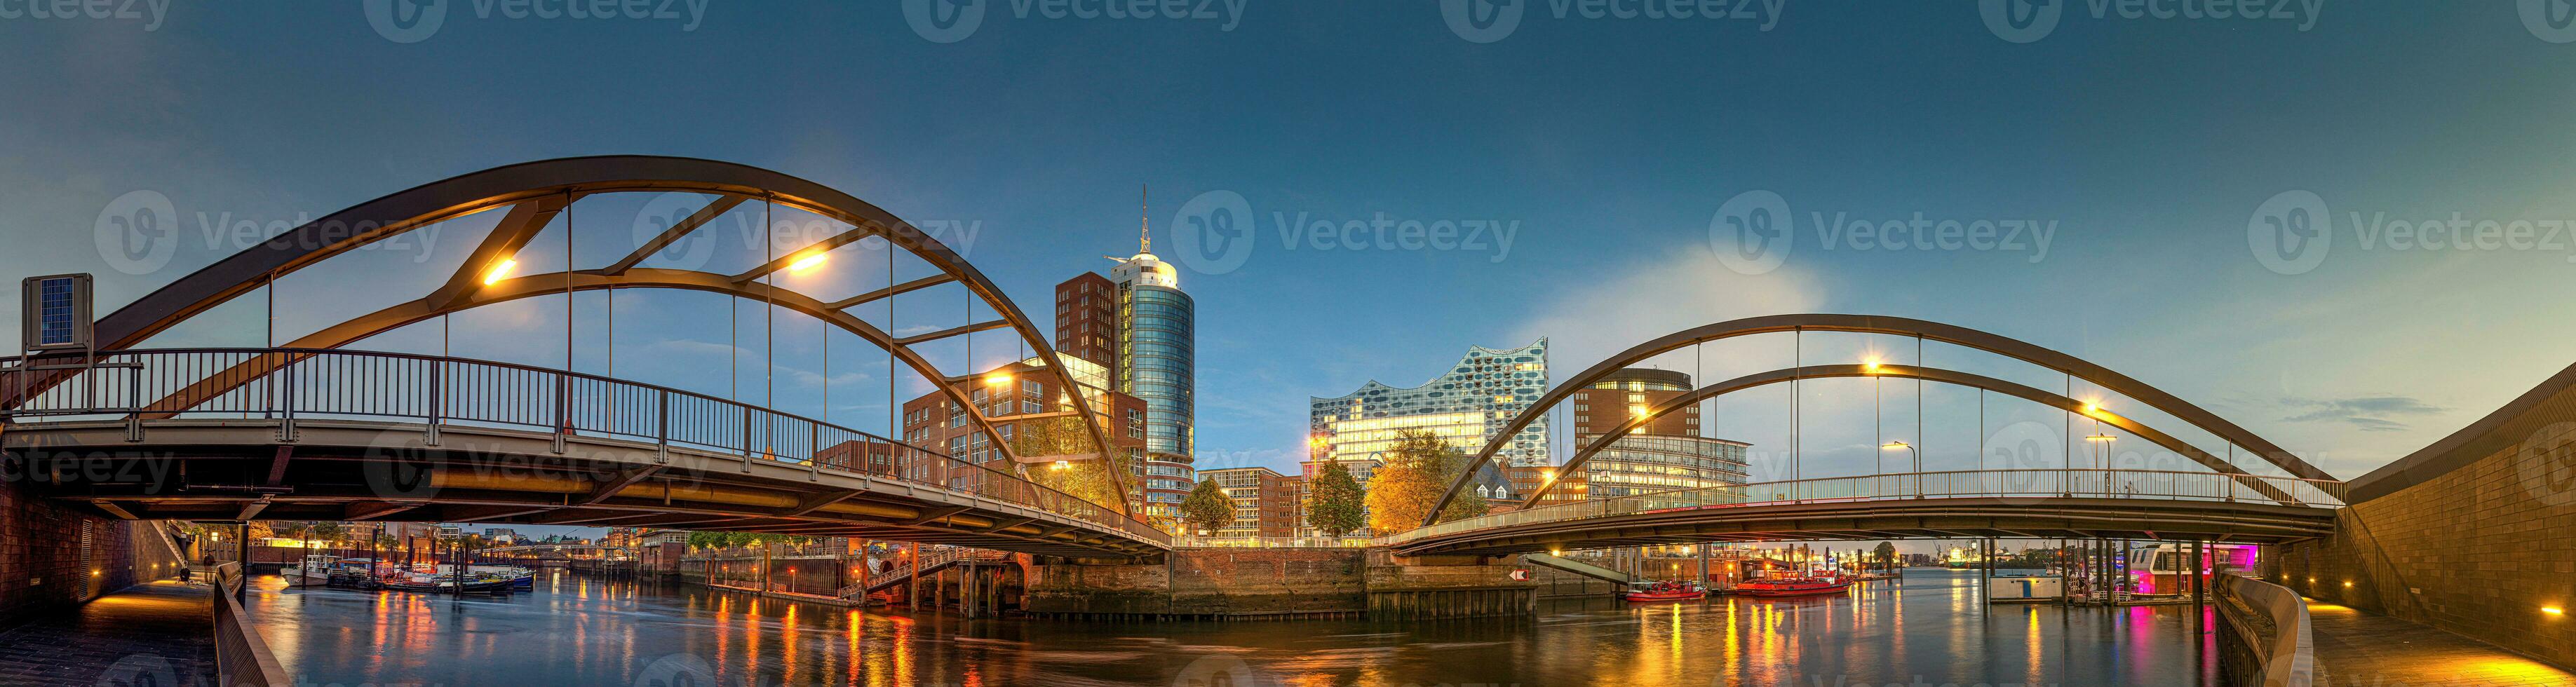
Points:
(1666, 453)
(1138, 326)
(936, 422)
(1464, 407)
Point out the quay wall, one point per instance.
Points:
(1240, 583)
(2475, 534)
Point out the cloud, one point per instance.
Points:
(1642, 302)
(2369, 413)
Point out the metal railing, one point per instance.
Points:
(290, 384)
(2045, 483)
(2272, 622)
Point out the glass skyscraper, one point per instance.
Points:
(1150, 351)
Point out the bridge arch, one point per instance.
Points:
(2152, 435)
(1901, 326)
(531, 194)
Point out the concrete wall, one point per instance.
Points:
(41, 554)
(2474, 534)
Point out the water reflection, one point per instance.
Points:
(582, 631)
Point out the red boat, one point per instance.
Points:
(1662, 591)
(1795, 586)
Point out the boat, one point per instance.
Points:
(1643, 592)
(1795, 586)
(447, 585)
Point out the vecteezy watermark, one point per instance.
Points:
(403, 465)
(1222, 670)
(1215, 232)
(2549, 20)
(139, 670)
(676, 670)
(137, 233)
(2546, 464)
(950, 21)
(742, 228)
(413, 21)
(1754, 232)
(2292, 232)
(2027, 21)
(154, 473)
(150, 12)
(1487, 21)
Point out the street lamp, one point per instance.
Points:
(2101, 457)
(1918, 463)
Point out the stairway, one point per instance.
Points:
(1584, 569)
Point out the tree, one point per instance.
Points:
(1208, 508)
(1416, 471)
(1333, 505)
(330, 533)
(1886, 555)
(1090, 480)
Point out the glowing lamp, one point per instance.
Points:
(2553, 610)
(499, 270)
(806, 263)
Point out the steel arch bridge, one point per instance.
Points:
(312, 437)
(2226, 502)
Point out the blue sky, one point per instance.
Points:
(2142, 148)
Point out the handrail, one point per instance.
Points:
(156, 384)
(2042, 483)
(242, 659)
(2289, 658)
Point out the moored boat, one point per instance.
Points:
(1662, 591)
(1795, 586)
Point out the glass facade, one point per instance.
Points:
(1664, 455)
(1464, 407)
(1155, 359)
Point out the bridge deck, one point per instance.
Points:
(159, 633)
(2356, 648)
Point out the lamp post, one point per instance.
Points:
(1918, 463)
(2101, 457)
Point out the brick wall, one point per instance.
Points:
(1267, 581)
(2474, 534)
(40, 555)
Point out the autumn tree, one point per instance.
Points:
(1886, 552)
(1095, 481)
(1416, 471)
(1207, 508)
(1334, 502)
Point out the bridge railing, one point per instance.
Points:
(289, 384)
(2041, 483)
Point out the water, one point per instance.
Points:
(581, 631)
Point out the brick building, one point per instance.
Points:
(1264, 501)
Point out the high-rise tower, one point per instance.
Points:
(1150, 351)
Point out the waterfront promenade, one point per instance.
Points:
(2357, 648)
(160, 633)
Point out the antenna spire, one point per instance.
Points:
(1144, 223)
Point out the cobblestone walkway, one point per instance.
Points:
(159, 634)
(2362, 650)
